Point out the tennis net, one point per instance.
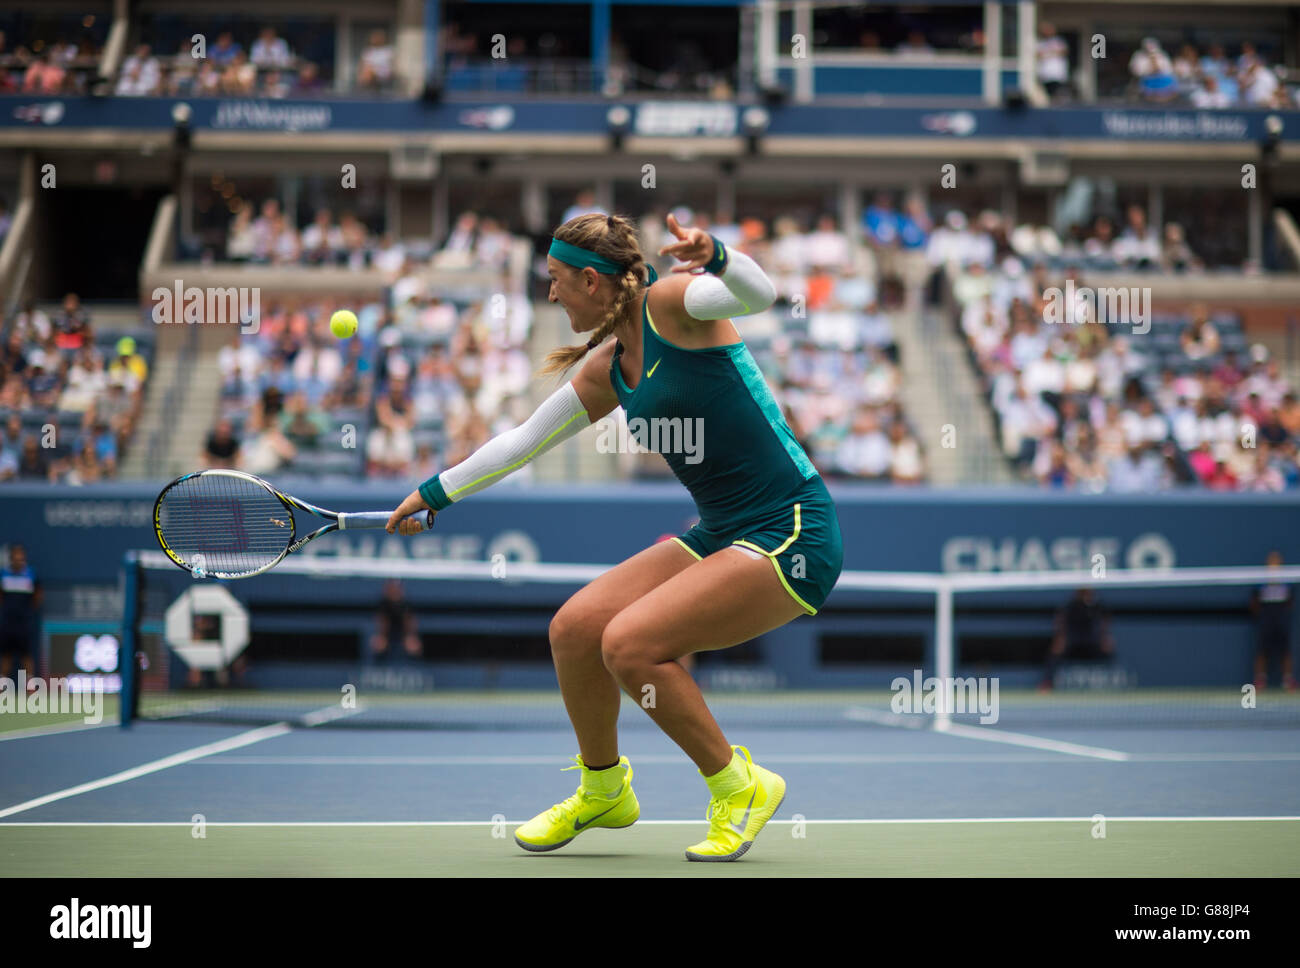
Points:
(904, 650)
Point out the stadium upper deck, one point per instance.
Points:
(963, 50)
(766, 112)
(416, 86)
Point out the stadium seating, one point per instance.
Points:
(64, 399)
(1147, 402)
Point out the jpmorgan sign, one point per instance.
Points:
(983, 553)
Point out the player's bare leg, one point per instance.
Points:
(591, 695)
(726, 599)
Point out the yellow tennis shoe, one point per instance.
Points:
(735, 820)
(590, 806)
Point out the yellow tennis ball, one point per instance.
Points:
(343, 323)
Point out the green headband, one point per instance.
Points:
(581, 258)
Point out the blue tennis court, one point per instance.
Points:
(863, 799)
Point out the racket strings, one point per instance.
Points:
(225, 525)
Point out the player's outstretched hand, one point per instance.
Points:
(412, 504)
(695, 247)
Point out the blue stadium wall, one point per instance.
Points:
(1188, 637)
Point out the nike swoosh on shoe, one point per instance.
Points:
(579, 825)
(744, 817)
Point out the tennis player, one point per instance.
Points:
(767, 548)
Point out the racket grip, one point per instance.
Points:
(371, 520)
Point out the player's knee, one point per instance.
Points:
(573, 633)
(620, 648)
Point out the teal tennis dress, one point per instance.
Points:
(751, 481)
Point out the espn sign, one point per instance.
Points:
(668, 118)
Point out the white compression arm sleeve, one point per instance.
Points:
(743, 288)
(559, 417)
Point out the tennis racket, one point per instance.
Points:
(228, 524)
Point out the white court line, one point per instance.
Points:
(1034, 742)
(655, 823)
(32, 731)
(176, 759)
(328, 714)
(1213, 756)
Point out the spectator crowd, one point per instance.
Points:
(430, 377)
(44, 66)
(69, 396)
(232, 63)
(266, 235)
(1203, 76)
(266, 68)
(1095, 403)
(255, 59)
(1086, 400)
(1209, 78)
(423, 384)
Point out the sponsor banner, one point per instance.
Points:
(78, 535)
(651, 119)
(272, 116)
(958, 123)
(686, 119)
(1087, 124)
(498, 118)
(1176, 125)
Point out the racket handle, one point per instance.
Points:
(371, 520)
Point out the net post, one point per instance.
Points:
(127, 648)
(943, 651)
